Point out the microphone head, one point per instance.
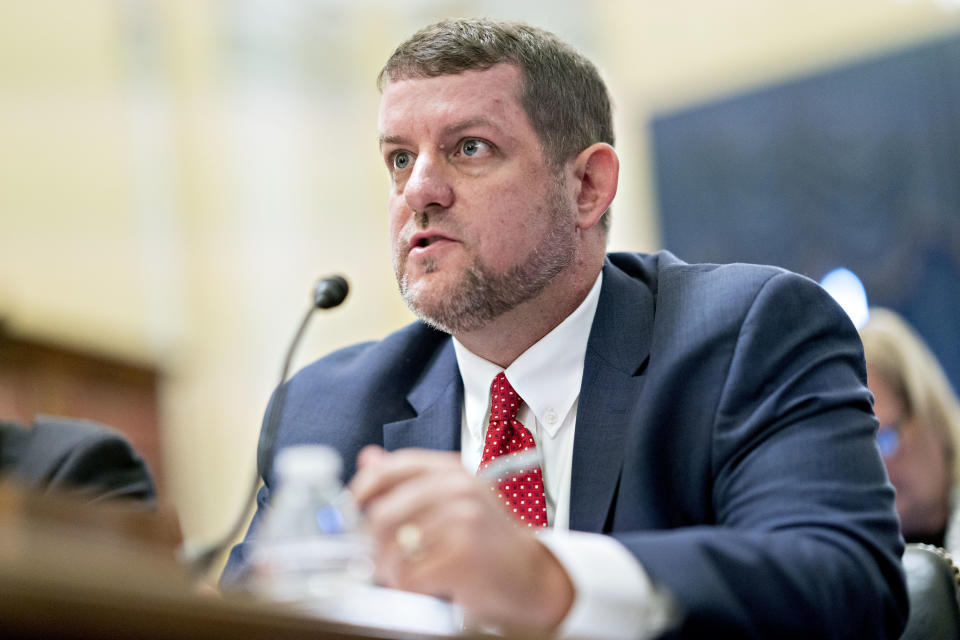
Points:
(330, 292)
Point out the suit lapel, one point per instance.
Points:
(436, 398)
(617, 353)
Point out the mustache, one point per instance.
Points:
(416, 224)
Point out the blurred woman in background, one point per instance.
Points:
(919, 434)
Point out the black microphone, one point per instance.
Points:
(329, 293)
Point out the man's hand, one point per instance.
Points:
(456, 540)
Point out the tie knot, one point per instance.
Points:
(504, 401)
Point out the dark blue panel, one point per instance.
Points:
(855, 167)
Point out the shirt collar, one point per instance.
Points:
(547, 375)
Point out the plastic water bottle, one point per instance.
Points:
(310, 545)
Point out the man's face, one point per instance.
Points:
(478, 221)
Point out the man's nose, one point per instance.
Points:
(428, 185)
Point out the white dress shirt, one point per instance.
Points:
(612, 591)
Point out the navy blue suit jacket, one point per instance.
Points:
(724, 435)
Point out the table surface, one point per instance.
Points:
(72, 570)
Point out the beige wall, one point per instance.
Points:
(174, 175)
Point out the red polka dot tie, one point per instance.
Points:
(522, 493)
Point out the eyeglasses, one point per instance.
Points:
(888, 438)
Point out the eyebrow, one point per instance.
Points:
(456, 127)
(384, 139)
(479, 121)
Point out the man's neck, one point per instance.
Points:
(504, 338)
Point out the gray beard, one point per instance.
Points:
(483, 295)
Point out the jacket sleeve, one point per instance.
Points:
(805, 542)
(236, 571)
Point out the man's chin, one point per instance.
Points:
(439, 310)
(425, 303)
(429, 287)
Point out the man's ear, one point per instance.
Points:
(596, 170)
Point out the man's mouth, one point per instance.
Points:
(425, 240)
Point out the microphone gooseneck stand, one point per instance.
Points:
(328, 293)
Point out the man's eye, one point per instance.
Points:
(401, 160)
(472, 147)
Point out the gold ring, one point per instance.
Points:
(410, 540)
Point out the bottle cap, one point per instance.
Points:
(309, 460)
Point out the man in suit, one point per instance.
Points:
(702, 431)
(76, 456)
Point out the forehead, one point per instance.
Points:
(427, 104)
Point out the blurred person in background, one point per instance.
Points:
(919, 428)
(84, 458)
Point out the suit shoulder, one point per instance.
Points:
(735, 283)
(691, 299)
(407, 349)
(69, 453)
